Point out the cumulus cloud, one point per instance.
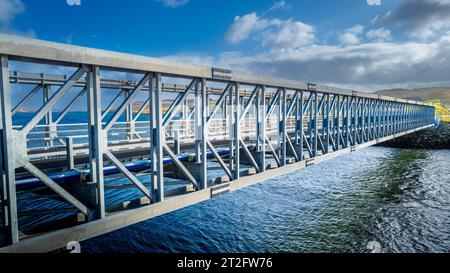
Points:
(362, 59)
(379, 35)
(351, 36)
(270, 32)
(367, 66)
(287, 33)
(420, 18)
(242, 28)
(175, 3)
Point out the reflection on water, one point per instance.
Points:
(397, 198)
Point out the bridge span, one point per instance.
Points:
(79, 125)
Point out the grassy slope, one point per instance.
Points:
(441, 109)
(439, 96)
(422, 94)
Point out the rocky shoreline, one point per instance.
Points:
(431, 138)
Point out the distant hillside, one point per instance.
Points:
(421, 94)
(138, 104)
(442, 110)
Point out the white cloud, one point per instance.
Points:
(270, 32)
(379, 35)
(351, 36)
(175, 3)
(363, 60)
(366, 66)
(241, 28)
(420, 18)
(280, 5)
(288, 34)
(9, 9)
(374, 2)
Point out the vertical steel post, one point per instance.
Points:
(198, 122)
(231, 131)
(237, 131)
(389, 118)
(326, 124)
(261, 125)
(203, 135)
(403, 117)
(369, 119)
(338, 121)
(208, 97)
(157, 138)
(283, 127)
(395, 108)
(279, 118)
(69, 153)
(97, 137)
(299, 126)
(363, 120)
(311, 121)
(316, 117)
(394, 118)
(385, 119)
(355, 120)
(377, 120)
(48, 118)
(129, 117)
(185, 116)
(347, 121)
(7, 161)
(176, 142)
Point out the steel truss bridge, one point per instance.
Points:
(104, 117)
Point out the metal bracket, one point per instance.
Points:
(20, 148)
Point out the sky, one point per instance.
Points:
(360, 44)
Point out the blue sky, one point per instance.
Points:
(348, 43)
(153, 28)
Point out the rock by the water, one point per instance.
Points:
(431, 138)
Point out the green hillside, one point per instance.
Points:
(421, 94)
(441, 109)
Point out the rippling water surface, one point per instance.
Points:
(398, 198)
